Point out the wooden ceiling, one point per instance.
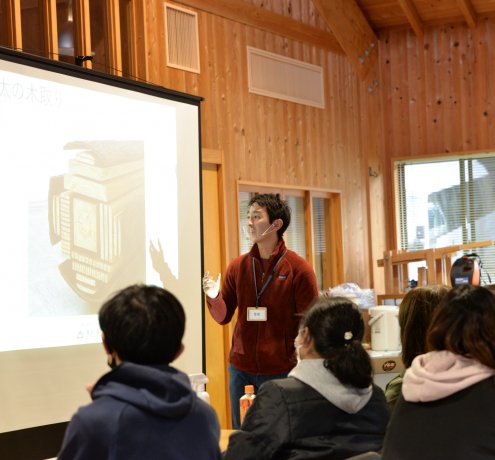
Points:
(357, 24)
(417, 14)
(354, 26)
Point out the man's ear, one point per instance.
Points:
(277, 223)
(179, 351)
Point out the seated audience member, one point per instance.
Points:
(447, 406)
(415, 314)
(328, 407)
(142, 409)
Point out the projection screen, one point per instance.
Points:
(95, 170)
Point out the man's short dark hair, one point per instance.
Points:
(143, 324)
(276, 208)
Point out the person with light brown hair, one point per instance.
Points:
(447, 405)
(415, 312)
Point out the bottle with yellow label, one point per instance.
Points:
(246, 400)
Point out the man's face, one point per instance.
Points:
(259, 224)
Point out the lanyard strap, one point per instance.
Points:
(267, 282)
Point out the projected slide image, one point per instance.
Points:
(96, 217)
(86, 235)
(89, 181)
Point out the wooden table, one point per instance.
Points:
(224, 438)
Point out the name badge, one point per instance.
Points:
(256, 314)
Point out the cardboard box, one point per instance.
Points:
(386, 362)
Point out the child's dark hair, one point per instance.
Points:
(276, 208)
(337, 328)
(143, 324)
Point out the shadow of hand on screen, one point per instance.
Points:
(168, 280)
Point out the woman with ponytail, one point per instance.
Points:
(328, 406)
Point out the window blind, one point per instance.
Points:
(447, 201)
(319, 238)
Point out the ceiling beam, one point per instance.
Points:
(468, 12)
(254, 16)
(353, 32)
(412, 16)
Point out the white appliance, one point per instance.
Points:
(385, 330)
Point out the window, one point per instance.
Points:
(447, 201)
(320, 236)
(318, 242)
(65, 27)
(33, 39)
(4, 38)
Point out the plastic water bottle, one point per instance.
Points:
(246, 400)
(198, 383)
(202, 393)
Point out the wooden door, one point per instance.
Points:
(216, 336)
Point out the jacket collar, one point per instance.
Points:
(277, 251)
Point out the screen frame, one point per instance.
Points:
(45, 440)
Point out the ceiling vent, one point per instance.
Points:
(277, 76)
(181, 36)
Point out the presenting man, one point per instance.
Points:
(271, 287)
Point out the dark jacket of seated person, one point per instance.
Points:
(328, 407)
(143, 409)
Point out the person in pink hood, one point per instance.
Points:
(447, 406)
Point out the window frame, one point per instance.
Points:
(398, 179)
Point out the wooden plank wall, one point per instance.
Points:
(438, 93)
(273, 141)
